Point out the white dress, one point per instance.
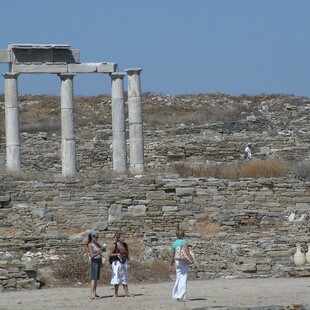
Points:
(180, 285)
(119, 273)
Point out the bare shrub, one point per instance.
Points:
(229, 171)
(193, 170)
(264, 168)
(227, 113)
(42, 112)
(234, 170)
(150, 271)
(71, 269)
(75, 267)
(191, 115)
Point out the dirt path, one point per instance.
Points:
(210, 294)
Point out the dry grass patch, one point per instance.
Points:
(242, 169)
(264, 168)
(73, 268)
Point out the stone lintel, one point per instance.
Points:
(43, 53)
(93, 67)
(7, 56)
(39, 46)
(107, 67)
(62, 67)
(39, 68)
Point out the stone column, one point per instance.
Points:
(68, 150)
(136, 144)
(12, 125)
(118, 123)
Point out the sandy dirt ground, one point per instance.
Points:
(210, 294)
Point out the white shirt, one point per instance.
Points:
(248, 152)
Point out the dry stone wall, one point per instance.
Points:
(242, 228)
(277, 126)
(42, 152)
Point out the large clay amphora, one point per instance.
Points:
(308, 255)
(299, 257)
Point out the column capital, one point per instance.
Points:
(10, 75)
(65, 76)
(117, 75)
(132, 71)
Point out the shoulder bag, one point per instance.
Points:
(180, 254)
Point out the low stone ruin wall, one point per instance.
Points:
(214, 142)
(242, 228)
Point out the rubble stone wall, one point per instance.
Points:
(199, 144)
(241, 228)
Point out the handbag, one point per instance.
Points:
(181, 255)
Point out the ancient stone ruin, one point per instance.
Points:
(239, 228)
(60, 59)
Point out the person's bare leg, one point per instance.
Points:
(125, 286)
(93, 289)
(116, 286)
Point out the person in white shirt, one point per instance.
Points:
(248, 151)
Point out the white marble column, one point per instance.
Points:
(136, 144)
(12, 123)
(68, 149)
(118, 123)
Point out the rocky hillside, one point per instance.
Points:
(194, 128)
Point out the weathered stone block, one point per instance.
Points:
(172, 209)
(249, 268)
(27, 284)
(137, 210)
(5, 198)
(185, 191)
(151, 195)
(159, 203)
(4, 274)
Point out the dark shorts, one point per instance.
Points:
(95, 267)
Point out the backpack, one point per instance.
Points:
(113, 258)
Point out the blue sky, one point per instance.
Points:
(183, 46)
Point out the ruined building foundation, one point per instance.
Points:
(60, 59)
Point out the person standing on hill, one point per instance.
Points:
(248, 151)
(94, 251)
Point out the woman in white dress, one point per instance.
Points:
(181, 268)
(119, 254)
